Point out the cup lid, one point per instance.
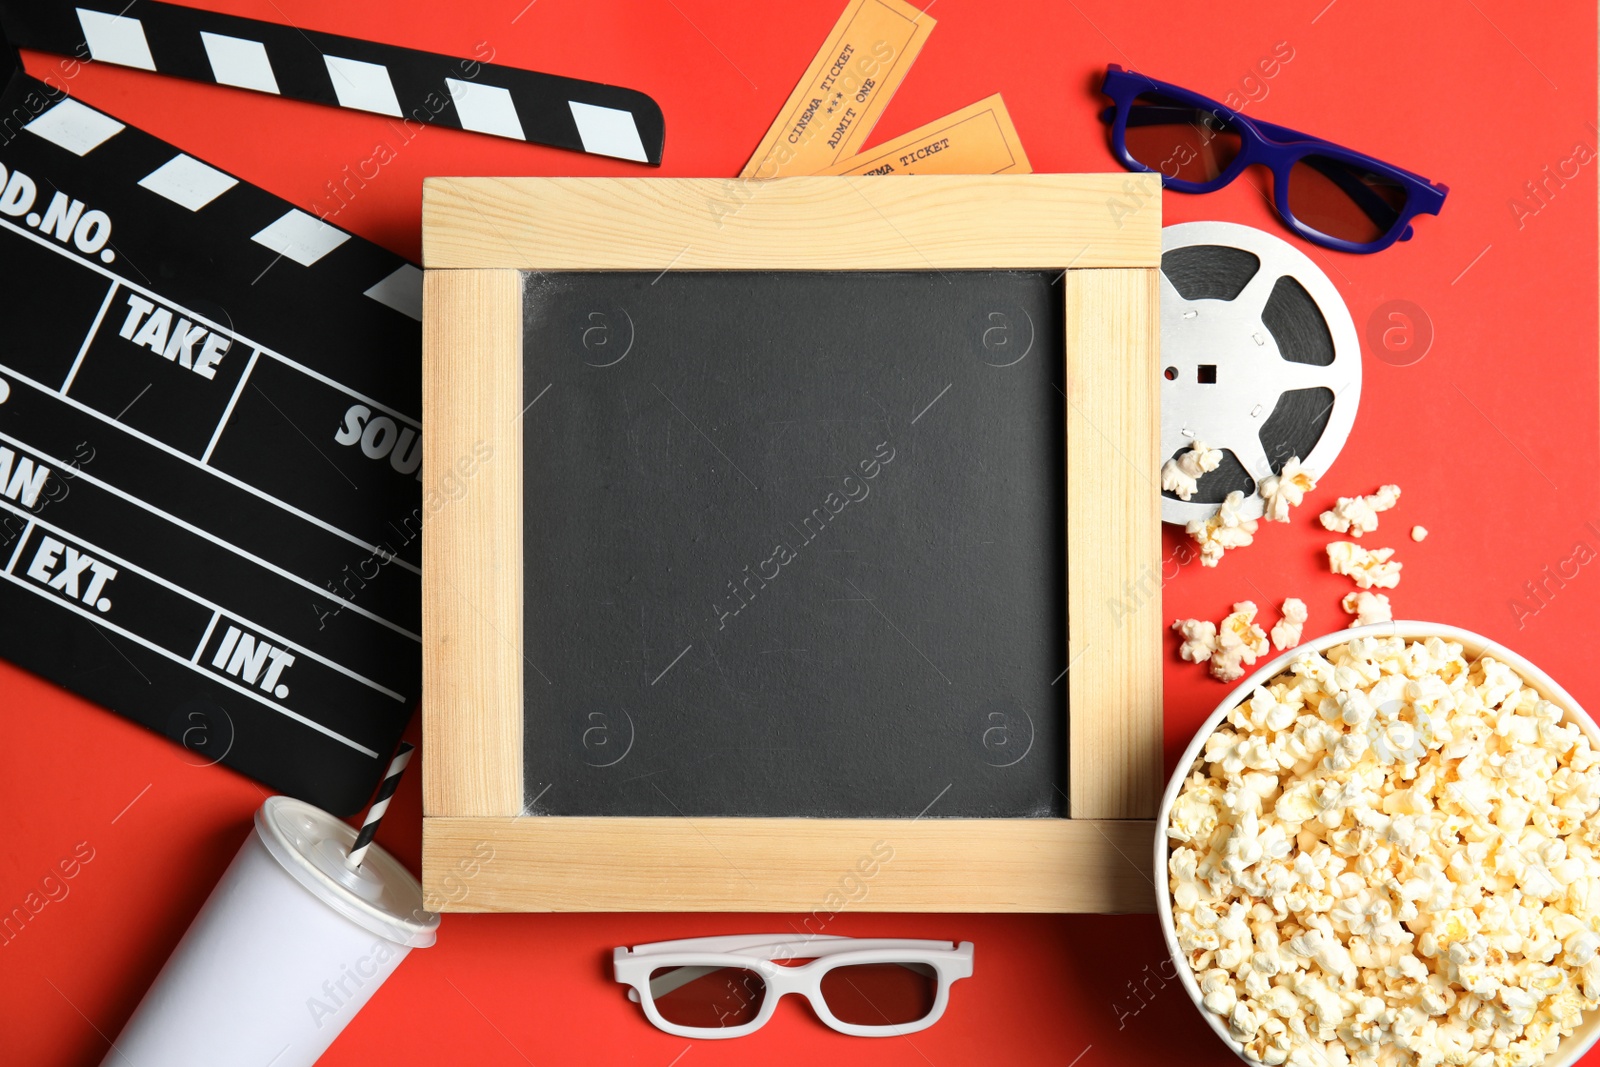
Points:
(382, 896)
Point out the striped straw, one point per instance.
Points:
(369, 828)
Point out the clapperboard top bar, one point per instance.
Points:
(402, 83)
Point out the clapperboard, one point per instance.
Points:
(210, 496)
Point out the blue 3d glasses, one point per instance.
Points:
(1325, 193)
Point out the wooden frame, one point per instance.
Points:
(479, 852)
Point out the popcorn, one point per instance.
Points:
(1385, 498)
(1229, 667)
(1369, 570)
(1181, 476)
(1239, 630)
(1222, 531)
(1419, 533)
(1390, 854)
(1286, 490)
(1240, 642)
(1352, 515)
(1286, 632)
(1357, 515)
(1368, 608)
(1199, 640)
(1175, 480)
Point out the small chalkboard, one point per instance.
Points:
(793, 544)
(803, 519)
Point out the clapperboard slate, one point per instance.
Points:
(325, 68)
(210, 503)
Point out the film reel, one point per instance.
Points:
(1259, 358)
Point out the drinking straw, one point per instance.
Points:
(369, 828)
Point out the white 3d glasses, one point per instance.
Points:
(714, 987)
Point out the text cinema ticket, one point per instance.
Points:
(844, 91)
(978, 139)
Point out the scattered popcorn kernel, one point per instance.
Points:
(1228, 666)
(1240, 628)
(1240, 642)
(1418, 533)
(1368, 608)
(1199, 639)
(1175, 481)
(1222, 531)
(1385, 498)
(1389, 854)
(1350, 515)
(1180, 476)
(1286, 632)
(1369, 570)
(1286, 490)
(1200, 459)
(1357, 515)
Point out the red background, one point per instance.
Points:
(1492, 436)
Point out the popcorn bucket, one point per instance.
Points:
(1575, 1044)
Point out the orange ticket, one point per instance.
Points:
(845, 90)
(978, 139)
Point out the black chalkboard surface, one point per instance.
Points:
(794, 544)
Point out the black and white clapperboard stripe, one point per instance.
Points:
(210, 497)
(345, 72)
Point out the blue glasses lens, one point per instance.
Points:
(1343, 200)
(1180, 141)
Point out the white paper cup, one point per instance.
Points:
(289, 946)
(1473, 645)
